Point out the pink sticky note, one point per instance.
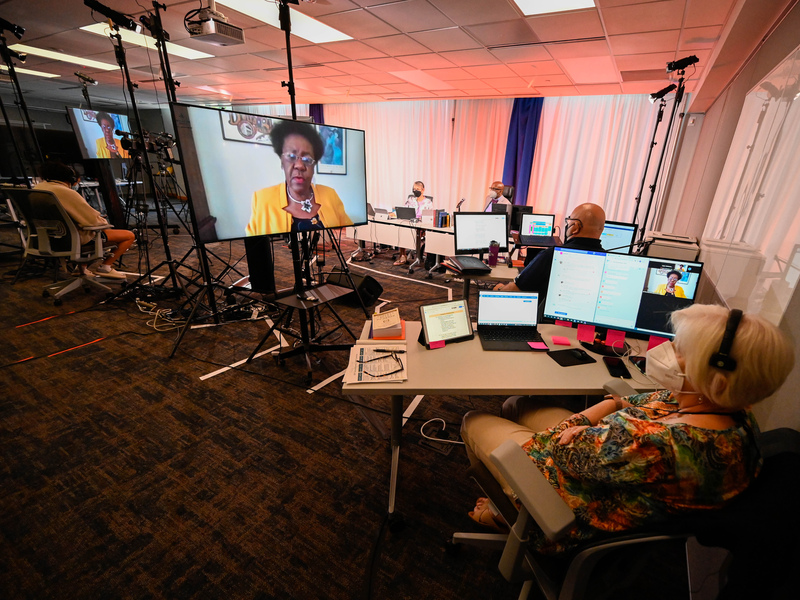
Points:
(439, 344)
(538, 345)
(615, 339)
(560, 340)
(563, 323)
(655, 341)
(586, 333)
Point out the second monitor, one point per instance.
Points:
(475, 231)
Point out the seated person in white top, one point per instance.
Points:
(496, 195)
(418, 200)
(59, 179)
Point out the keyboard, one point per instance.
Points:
(511, 334)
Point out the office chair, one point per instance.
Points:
(759, 528)
(508, 193)
(50, 233)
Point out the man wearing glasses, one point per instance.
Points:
(496, 195)
(582, 229)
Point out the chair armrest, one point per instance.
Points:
(533, 489)
(95, 227)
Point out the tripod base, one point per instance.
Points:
(308, 306)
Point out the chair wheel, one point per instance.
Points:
(45, 294)
(58, 302)
(411, 271)
(176, 231)
(429, 276)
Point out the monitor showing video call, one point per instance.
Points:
(239, 186)
(620, 291)
(97, 135)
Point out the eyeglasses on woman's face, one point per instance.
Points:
(292, 158)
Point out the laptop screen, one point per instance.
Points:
(618, 237)
(509, 309)
(534, 224)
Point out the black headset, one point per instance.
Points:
(722, 358)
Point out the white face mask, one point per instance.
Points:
(663, 368)
(493, 195)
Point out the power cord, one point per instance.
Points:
(435, 439)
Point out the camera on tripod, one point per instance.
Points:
(156, 143)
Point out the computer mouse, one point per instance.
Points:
(578, 353)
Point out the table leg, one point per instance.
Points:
(465, 292)
(396, 435)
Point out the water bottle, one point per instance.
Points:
(494, 249)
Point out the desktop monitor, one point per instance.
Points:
(536, 224)
(619, 291)
(618, 237)
(516, 215)
(97, 135)
(237, 183)
(475, 231)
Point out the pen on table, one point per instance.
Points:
(387, 350)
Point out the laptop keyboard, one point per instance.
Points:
(511, 334)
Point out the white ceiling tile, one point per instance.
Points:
(545, 67)
(443, 40)
(353, 50)
(578, 49)
(473, 12)
(507, 32)
(448, 74)
(521, 54)
(359, 24)
(411, 15)
(641, 43)
(594, 69)
(427, 61)
(607, 89)
(700, 13)
(641, 62)
(569, 26)
(490, 71)
(397, 45)
(700, 38)
(650, 16)
(470, 58)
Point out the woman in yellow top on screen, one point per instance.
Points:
(108, 146)
(296, 204)
(669, 288)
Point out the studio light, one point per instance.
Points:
(680, 65)
(20, 56)
(661, 93)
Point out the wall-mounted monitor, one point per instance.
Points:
(239, 185)
(618, 237)
(475, 231)
(620, 291)
(97, 135)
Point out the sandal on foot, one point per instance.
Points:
(483, 515)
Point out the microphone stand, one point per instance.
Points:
(661, 104)
(678, 100)
(12, 73)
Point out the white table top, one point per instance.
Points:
(465, 368)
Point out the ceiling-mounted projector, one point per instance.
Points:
(213, 27)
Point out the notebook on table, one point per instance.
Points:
(470, 265)
(508, 320)
(537, 230)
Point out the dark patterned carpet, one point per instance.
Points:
(124, 475)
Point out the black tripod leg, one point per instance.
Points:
(266, 337)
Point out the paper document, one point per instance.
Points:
(386, 320)
(377, 363)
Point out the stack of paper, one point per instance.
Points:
(388, 325)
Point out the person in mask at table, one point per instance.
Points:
(630, 462)
(496, 195)
(582, 229)
(418, 201)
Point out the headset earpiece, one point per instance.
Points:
(721, 359)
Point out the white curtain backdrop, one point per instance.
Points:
(455, 147)
(593, 149)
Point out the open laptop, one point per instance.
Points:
(537, 230)
(408, 213)
(381, 214)
(507, 320)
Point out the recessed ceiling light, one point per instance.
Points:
(29, 72)
(77, 60)
(146, 41)
(544, 7)
(302, 25)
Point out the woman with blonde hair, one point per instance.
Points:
(630, 462)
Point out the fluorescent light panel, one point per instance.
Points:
(544, 7)
(29, 71)
(146, 41)
(302, 25)
(77, 60)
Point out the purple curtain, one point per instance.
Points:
(317, 113)
(522, 132)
